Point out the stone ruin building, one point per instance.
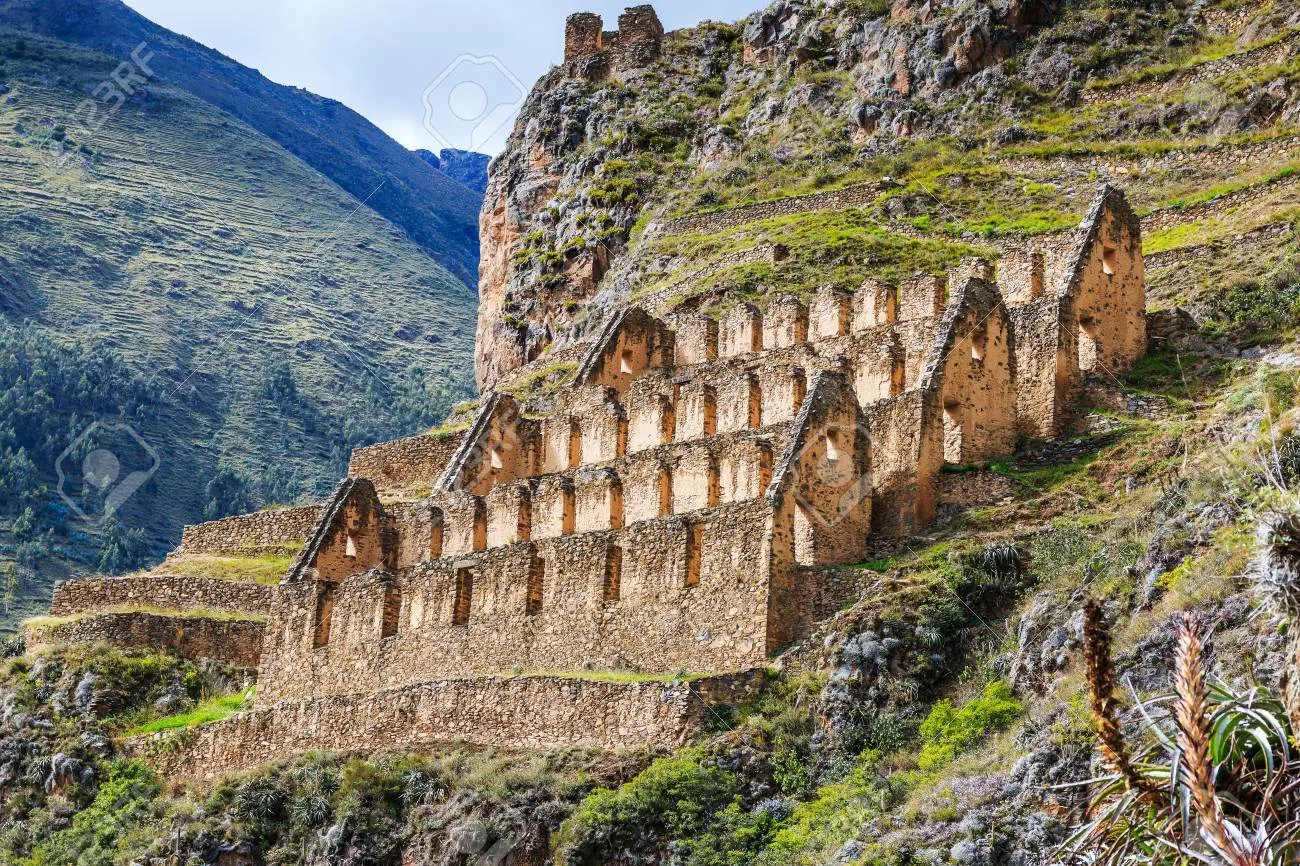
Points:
(593, 52)
(679, 507)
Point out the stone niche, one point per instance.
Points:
(651, 421)
(783, 387)
(874, 305)
(741, 331)
(510, 514)
(831, 314)
(648, 487)
(697, 340)
(745, 471)
(786, 323)
(696, 481)
(599, 501)
(553, 507)
(696, 410)
(740, 404)
(921, 297)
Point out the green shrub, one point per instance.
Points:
(98, 832)
(949, 731)
(677, 798)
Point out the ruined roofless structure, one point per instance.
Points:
(680, 506)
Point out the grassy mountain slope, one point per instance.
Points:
(276, 314)
(439, 214)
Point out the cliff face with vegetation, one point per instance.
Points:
(958, 113)
(949, 717)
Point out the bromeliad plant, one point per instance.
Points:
(1218, 784)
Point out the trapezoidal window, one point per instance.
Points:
(350, 546)
(323, 616)
(694, 553)
(464, 596)
(979, 342)
(392, 611)
(952, 433)
(613, 590)
(1109, 260)
(626, 362)
(575, 444)
(536, 586)
(496, 459)
(436, 539)
(1088, 333)
(832, 448)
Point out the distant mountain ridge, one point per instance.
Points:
(439, 214)
(466, 167)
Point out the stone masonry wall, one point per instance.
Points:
(250, 534)
(517, 712)
(1264, 55)
(413, 460)
(235, 641)
(162, 591)
(659, 596)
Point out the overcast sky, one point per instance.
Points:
(388, 59)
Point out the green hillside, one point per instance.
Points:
(437, 212)
(275, 316)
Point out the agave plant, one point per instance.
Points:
(1217, 782)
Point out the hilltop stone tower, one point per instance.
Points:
(592, 52)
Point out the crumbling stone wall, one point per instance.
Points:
(234, 641)
(539, 712)
(415, 460)
(162, 591)
(251, 534)
(592, 52)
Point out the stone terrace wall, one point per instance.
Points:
(1264, 55)
(413, 460)
(237, 642)
(516, 712)
(1167, 218)
(164, 591)
(857, 195)
(251, 534)
(1206, 158)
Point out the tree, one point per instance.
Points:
(227, 493)
(121, 549)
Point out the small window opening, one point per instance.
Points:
(496, 460)
(392, 611)
(613, 573)
(536, 586)
(350, 547)
(324, 615)
(979, 343)
(833, 447)
(1109, 260)
(464, 594)
(625, 363)
(694, 553)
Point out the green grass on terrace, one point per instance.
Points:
(266, 568)
(211, 710)
(43, 623)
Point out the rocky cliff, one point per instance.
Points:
(806, 95)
